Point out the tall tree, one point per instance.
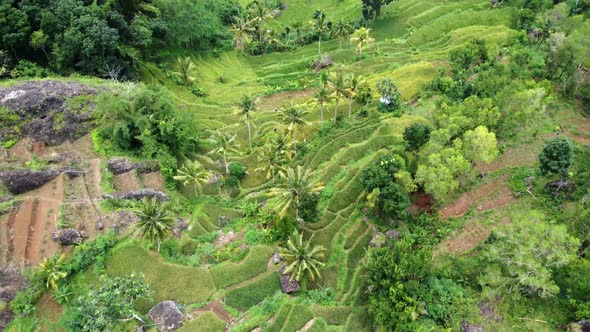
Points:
(155, 221)
(292, 117)
(338, 88)
(259, 14)
(241, 31)
(302, 258)
(192, 173)
(361, 37)
(341, 30)
(372, 8)
(273, 155)
(322, 96)
(480, 145)
(354, 83)
(247, 106)
(321, 26)
(293, 184)
(225, 143)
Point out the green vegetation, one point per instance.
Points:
(417, 165)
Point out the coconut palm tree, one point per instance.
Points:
(155, 222)
(321, 26)
(322, 96)
(274, 154)
(184, 67)
(259, 14)
(292, 117)
(247, 106)
(241, 31)
(52, 270)
(193, 173)
(354, 83)
(302, 258)
(360, 37)
(225, 143)
(339, 89)
(341, 30)
(293, 184)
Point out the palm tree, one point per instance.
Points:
(184, 66)
(155, 222)
(193, 173)
(260, 14)
(292, 117)
(225, 143)
(293, 184)
(354, 83)
(360, 37)
(341, 30)
(338, 87)
(247, 106)
(322, 96)
(241, 31)
(302, 258)
(274, 154)
(321, 26)
(52, 269)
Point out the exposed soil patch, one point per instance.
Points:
(51, 310)
(153, 180)
(217, 308)
(307, 326)
(472, 235)
(126, 181)
(279, 99)
(490, 195)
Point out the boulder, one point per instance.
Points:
(466, 327)
(67, 236)
(324, 62)
(166, 316)
(45, 113)
(276, 258)
(289, 285)
(392, 234)
(581, 326)
(119, 165)
(139, 194)
(378, 240)
(23, 180)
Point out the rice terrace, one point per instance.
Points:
(295, 165)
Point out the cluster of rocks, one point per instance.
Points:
(322, 63)
(139, 195)
(288, 285)
(68, 236)
(379, 239)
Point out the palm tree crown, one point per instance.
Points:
(225, 143)
(339, 89)
(322, 96)
(360, 37)
(155, 222)
(341, 30)
(241, 31)
(354, 83)
(321, 26)
(302, 258)
(193, 173)
(247, 106)
(293, 184)
(52, 269)
(292, 117)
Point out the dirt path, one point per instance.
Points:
(307, 326)
(472, 235)
(217, 308)
(490, 195)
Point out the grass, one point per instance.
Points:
(229, 273)
(204, 322)
(333, 315)
(253, 293)
(167, 281)
(298, 317)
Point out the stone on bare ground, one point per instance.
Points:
(68, 236)
(139, 195)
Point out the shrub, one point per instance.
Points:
(381, 172)
(416, 135)
(557, 156)
(237, 170)
(391, 99)
(308, 207)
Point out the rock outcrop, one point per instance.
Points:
(23, 180)
(120, 165)
(67, 236)
(45, 113)
(139, 194)
(166, 316)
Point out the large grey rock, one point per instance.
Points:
(139, 194)
(23, 180)
(67, 236)
(289, 285)
(45, 113)
(466, 327)
(120, 165)
(166, 316)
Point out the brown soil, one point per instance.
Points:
(21, 151)
(28, 230)
(307, 326)
(126, 181)
(50, 310)
(473, 234)
(279, 99)
(490, 195)
(153, 180)
(217, 308)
